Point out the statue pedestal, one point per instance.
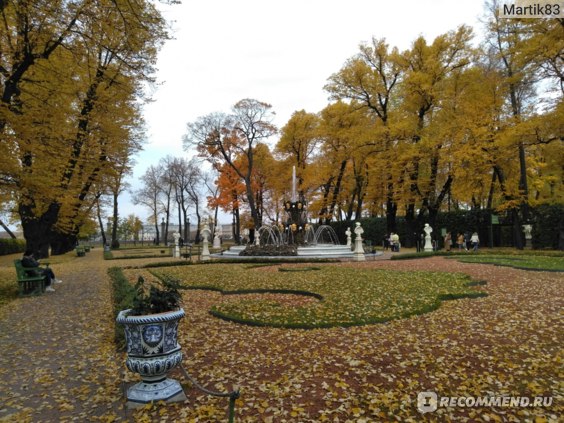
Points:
(205, 243)
(358, 253)
(428, 244)
(205, 250)
(216, 242)
(529, 244)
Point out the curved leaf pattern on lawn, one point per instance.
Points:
(351, 297)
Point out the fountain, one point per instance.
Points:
(294, 237)
(325, 234)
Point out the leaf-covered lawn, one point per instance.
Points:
(8, 284)
(59, 362)
(349, 296)
(508, 343)
(519, 261)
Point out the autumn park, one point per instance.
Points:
(394, 256)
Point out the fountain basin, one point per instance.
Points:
(310, 251)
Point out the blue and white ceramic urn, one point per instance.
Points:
(152, 351)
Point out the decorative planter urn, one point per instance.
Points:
(152, 351)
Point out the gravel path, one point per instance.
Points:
(57, 349)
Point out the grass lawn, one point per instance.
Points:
(331, 295)
(526, 262)
(8, 279)
(370, 373)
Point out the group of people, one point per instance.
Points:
(463, 241)
(392, 241)
(29, 261)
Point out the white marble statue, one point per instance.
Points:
(528, 229)
(348, 233)
(216, 238)
(176, 251)
(358, 248)
(428, 243)
(205, 243)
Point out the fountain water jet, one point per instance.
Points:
(325, 234)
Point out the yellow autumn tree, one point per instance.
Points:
(72, 80)
(370, 80)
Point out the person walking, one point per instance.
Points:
(386, 242)
(475, 241)
(448, 241)
(395, 242)
(460, 241)
(28, 260)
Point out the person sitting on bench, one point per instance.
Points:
(29, 261)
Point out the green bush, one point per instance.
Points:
(123, 295)
(11, 246)
(547, 224)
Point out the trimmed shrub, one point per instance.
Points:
(11, 246)
(548, 226)
(123, 295)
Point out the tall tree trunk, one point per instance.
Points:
(391, 210)
(179, 219)
(491, 192)
(517, 231)
(234, 227)
(99, 215)
(523, 186)
(63, 243)
(513, 213)
(197, 238)
(324, 216)
(336, 190)
(237, 226)
(350, 207)
(251, 202)
(167, 220)
(115, 216)
(186, 235)
(410, 223)
(215, 213)
(37, 229)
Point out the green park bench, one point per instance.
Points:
(80, 251)
(29, 284)
(87, 248)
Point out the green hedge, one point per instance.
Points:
(548, 224)
(123, 295)
(11, 246)
(547, 221)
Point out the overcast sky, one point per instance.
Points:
(278, 51)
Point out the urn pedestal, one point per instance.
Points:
(152, 351)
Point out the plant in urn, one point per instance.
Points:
(151, 333)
